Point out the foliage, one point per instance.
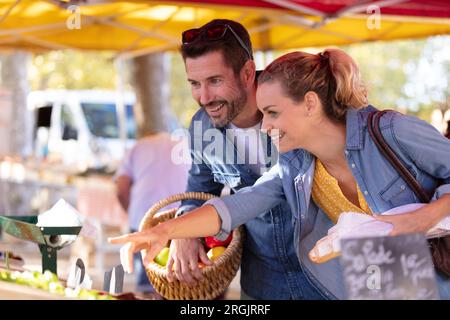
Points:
(72, 70)
(384, 68)
(411, 76)
(183, 105)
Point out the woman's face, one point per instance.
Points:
(286, 121)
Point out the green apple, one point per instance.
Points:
(162, 257)
(4, 275)
(48, 281)
(56, 287)
(48, 276)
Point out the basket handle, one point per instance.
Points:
(177, 197)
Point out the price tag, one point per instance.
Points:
(387, 268)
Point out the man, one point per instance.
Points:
(147, 175)
(220, 68)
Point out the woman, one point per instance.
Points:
(315, 110)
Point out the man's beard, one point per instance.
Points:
(234, 108)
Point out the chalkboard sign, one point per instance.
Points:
(387, 268)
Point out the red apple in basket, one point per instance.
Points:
(212, 242)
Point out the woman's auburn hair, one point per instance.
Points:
(332, 74)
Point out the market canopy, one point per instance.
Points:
(137, 27)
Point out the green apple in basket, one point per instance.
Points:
(162, 257)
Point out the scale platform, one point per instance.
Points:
(49, 239)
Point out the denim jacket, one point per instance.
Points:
(269, 267)
(424, 151)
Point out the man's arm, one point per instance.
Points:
(200, 179)
(123, 188)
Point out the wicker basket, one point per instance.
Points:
(216, 278)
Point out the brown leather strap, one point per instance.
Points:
(373, 125)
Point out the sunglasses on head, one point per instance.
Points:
(212, 33)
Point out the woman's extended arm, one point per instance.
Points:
(200, 222)
(218, 217)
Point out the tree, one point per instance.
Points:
(95, 70)
(181, 101)
(14, 78)
(73, 70)
(150, 77)
(18, 127)
(386, 68)
(431, 82)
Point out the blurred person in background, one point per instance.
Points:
(147, 174)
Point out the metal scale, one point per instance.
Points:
(49, 239)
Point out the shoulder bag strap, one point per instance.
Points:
(373, 125)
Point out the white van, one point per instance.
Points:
(82, 127)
